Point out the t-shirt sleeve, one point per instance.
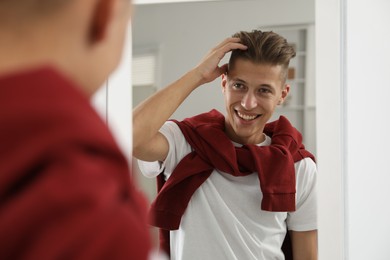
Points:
(178, 148)
(305, 216)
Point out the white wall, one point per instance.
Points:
(187, 31)
(367, 129)
(353, 39)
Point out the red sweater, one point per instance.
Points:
(212, 149)
(65, 187)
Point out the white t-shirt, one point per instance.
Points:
(224, 220)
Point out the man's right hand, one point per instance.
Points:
(209, 69)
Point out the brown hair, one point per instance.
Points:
(264, 48)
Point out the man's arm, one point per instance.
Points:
(304, 245)
(150, 115)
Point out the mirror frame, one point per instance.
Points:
(330, 82)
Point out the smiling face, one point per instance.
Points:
(252, 92)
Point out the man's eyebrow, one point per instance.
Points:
(244, 82)
(239, 80)
(267, 85)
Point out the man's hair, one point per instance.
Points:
(264, 48)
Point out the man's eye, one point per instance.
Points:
(238, 86)
(264, 91)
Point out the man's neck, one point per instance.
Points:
(23, 56)
(254, 139)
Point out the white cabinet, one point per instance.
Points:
(300, 105)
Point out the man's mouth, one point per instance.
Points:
(245, 116)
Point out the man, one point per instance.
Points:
(65, 187)
(230, 186)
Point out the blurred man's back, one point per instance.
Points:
(65, 187)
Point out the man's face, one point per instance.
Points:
(252, 92)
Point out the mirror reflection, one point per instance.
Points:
(169, 40)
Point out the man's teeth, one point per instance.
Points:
(246, 117)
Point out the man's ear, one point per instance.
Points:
(224, 81)
(285, 92)
(100, 19)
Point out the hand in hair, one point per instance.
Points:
(209, 68)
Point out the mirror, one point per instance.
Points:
(170, 39)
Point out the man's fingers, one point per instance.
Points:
(230, 44)
(208, 68)
(233, 46)
(227, 40)
(227, 47)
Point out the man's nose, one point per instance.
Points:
(249, 101)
